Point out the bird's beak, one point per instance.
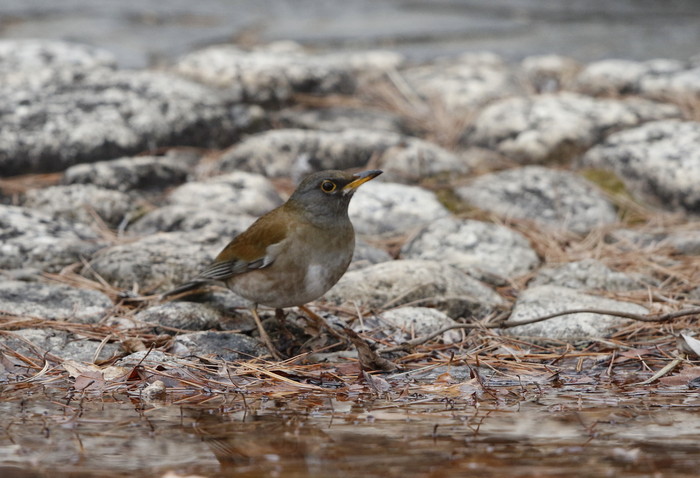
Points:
(360, 179)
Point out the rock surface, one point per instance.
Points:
(366, 254)
(157, 262)
(298, 152)
(478, 248)
(556, 199)
(82, 203)
(45, 343)
(234, 193)
(424, 283)
(183, 315)
(131, 173)
(188, 218)
(549, 73)
(218, 345)
(390, 209)
(544, 300)
(33, 240)
(406, 323)
(77, 116)
(654, 78)
(37, 55)
(339, 119)
(53, 302)
(586, 275)
(463, 83)
(658, 161)
(275, 72)
(548, 128)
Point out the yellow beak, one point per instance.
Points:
(362, 178)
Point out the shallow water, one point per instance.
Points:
(519, 431)
(146, 32)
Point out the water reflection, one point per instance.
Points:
(321, 437)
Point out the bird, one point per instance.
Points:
(293, 254)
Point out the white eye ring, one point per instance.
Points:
(328, 186)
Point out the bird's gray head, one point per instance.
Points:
(325, 196)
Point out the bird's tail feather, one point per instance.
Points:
(185, 289)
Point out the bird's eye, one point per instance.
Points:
(328, 186)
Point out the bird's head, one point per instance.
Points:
(325, 196)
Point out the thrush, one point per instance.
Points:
(293, 254)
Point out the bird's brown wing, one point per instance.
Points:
(255, 248)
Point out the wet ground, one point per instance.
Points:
(541, 426)
(146, 32)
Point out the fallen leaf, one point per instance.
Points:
(377, 384)
(90, 380)
(76, 369)
(682, 378)
(689, 345)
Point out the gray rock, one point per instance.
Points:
(425, 283)
(338, 119)
(487, 251)
(220, 345)
(557, 199)
(544, 300)
(53, 302)
(617, 76)
(294, 152)
(633, 239)
(557, 127)
(406, 323)
(184, 315)
(275, 72)
(284, 153)
(73, 117)
(38, 55)
(31, 239)
(414, 160)
(59, 343)
(195, 217)
(588, 274)
(462, 84)
(78, 202)
(658, 161)
(181, 315)
(685, 240)
(234, 193)
(549, 73)
(682, 87)
(234, 308)
(390, 209)
(367, 254)
(153, 358)
(132, 173)
(156, 262)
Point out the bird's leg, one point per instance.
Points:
(281, 318)
(322, 324)
(282, 321)
(263, 335)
